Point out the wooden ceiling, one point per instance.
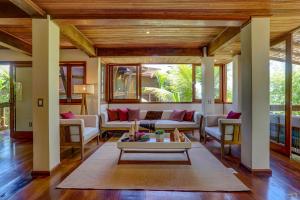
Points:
(151, 23)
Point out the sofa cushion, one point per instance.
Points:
(177, 115)
(215, 132)
(189, 116)
(133, 114)
(123, 114)
(88, 132)
(118, 124)
(153, 115)
(171, 124)
(113, 114)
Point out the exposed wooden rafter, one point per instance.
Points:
(149, 52)
(77, 39)
(228, 35)
(9, 41)
(29, 7)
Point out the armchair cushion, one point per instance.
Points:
(215, 132)
(212, 120)
(233, 115)
(89, 120)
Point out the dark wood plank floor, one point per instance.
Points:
(16, 182)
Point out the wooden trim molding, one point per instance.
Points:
(257, 172)
(149, 52)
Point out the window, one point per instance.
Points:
(154, 83)
(124, 83)
(167, 83)
(198, 83)
(217, 83)
(71, 73)
(229, 82)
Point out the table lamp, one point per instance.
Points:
(84, 89)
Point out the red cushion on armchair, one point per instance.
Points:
(233, 115)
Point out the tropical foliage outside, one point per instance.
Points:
(4, 95)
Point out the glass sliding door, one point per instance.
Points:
(4, 96)
(295, 144)
(279, 117)
(22, 101)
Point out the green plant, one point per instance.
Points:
(159, 132)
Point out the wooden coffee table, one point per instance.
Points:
(153, 146)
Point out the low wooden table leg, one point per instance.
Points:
(189, 160)
(120, 156)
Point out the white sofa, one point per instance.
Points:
(164, 123)
(79, 131)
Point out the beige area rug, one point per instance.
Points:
(101, 171)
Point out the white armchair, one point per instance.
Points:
(79, 131)
(225, 131)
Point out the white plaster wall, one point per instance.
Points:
(9, 55)
(93, 77)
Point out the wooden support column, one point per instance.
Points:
(45, 101)
(255, 45)
(208, 96)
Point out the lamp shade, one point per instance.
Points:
(84, 89)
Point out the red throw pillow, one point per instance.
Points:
(113, 114)
(68, 115)
(133, 114)
(233, 115)
(189, 116)
(177, 115)
(123, 114)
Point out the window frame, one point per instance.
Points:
(69, 65)
(109, 81)
(221, 79)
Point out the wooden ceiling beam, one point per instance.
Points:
(152, 22)
(77, 39)
(9, 41)
(29, 7)
(15, 22)
(106, 52)
(226, 37)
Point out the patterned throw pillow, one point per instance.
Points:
(153, 115)
(177, 115)
(133, 114)
(189, 116)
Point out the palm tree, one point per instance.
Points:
(174, 85)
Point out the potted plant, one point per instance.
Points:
(160, 134)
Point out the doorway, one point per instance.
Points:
(4, 98)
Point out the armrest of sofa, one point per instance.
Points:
(212, 120)
(104, 117)
(228, 126)
(89, 120)
(197, 116)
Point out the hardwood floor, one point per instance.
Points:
(16, 182)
